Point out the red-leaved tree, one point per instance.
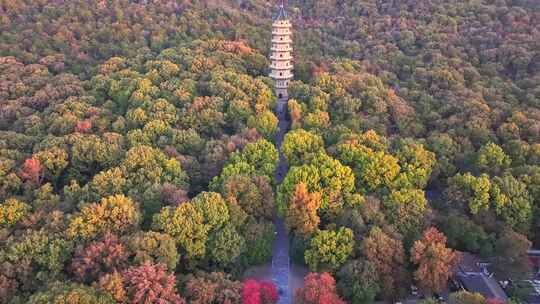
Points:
(7, 288)
(495, 301)
(83, 126)
(149, 284)
(259, 292)
(98, 258)
(32, 171)
(318, 289)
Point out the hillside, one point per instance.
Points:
(137, 148)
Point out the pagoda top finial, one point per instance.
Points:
(282, 12)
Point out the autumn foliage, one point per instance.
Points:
(151, 283)
(116, 213)
(116, 117)
(259, 292)
(214, 287)
(83, 126)
(388, 257)
(434, 260)
(318, 289)
(32, 171)
(113, 284)
(98, 258)
(302, 214)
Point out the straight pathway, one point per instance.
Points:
(280, 250)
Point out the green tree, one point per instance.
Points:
(300, 146)
(225, 246)
(373, 169)
(186, 224)
(266, 124)
(153, 247)
(187, 141)
(406, 210)
(324, 174)
(63, 293)
(358, 281)
(511, 260)
(262, 155)
(259, 238)
(512, 202)
(206, 115)
(45, 253)
(329, 249)
(106, 183)
(9, 181)
(240, 168)
(213, 209)
(465, 297)
(446, 150)
(145, 166)
(469, 192)
(12, 211)
(491, 159)
(416, 164)
(55, 161)
(45, 198)
(465, 235)
(91, 153)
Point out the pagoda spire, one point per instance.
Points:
(281, 52)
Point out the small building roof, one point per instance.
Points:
(487, 286)
(282, 13)
(470, 263)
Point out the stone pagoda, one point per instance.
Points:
(281, 53)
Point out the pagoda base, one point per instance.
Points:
(282, 93)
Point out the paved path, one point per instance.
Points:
(280, 251)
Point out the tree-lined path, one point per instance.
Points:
(280, 250)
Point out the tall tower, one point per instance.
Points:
(281, 53)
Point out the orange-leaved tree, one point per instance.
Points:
(302, 210)
(434, 260)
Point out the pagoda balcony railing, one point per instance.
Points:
(282, 32)
(281, 25)
(285, 86)
(281, 49)
(274, 65)
(278, 41)
(281, 77)
(284, 58)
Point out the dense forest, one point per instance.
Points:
(137, 150)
